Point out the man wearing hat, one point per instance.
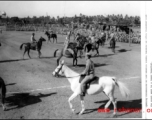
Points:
(89, 73)
(33, 40)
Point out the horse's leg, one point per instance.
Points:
(3, 98)
(74, 59)
(97, 52)
(56, 40)
(58, 59)
(39, 52)
(28, 51)
(53, 40)
(24, 52)
(81, 53)
(114, 102)
(82, 104)
(70, 99)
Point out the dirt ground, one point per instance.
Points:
(32, 91)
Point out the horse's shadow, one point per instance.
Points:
(10, 84)
(3, 61)
(95, 65)
(20, 100)
(123, 50)
(106, 55)
(121, 105)
(115, 47)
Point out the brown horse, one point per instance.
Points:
(52, 35)
(2, 92)
(62, 53)
(31, 46)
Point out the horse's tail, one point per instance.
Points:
(55, 52)
(21, 46)
(122, 87)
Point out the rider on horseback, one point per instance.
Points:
(89, 73)
(33, 40)
(112, 35)
(93, 40)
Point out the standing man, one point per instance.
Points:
(89, 73)
(69, 34)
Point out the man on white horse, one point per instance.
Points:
(89, 73)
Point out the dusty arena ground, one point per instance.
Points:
(32, 91)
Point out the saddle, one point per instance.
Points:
(33, 45)
(95, 80)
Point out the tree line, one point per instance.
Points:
(43, 20)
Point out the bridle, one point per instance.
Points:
(57, 73)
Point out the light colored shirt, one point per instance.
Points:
(89, 68)
(33, 39)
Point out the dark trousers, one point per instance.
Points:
(85, 81)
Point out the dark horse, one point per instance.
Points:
(113, 44)
(31, 46)
(63, 53)
(52, 35)
(92, 46)
(2, 92)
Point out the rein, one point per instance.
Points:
(73, 76)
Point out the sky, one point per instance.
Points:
(69, 8)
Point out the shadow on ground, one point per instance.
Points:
(3, 61)
(123, 50)
(10, 84)
(95, 64)
(131, 104)
(20, 100)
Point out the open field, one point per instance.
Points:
(32, 91)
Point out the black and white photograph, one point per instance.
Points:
(70, 59)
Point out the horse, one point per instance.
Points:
(113, 45)
(102, 41)
(31, 46)
(81, 42)
(2, 92)
(54, 36)
(62, 53)
(105, 84)
(92, 46)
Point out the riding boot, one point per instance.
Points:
(83, 90)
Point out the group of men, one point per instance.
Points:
(89, 71)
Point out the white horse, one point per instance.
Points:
(105, 84)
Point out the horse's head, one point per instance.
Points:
(59, 70)
(42, 39)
